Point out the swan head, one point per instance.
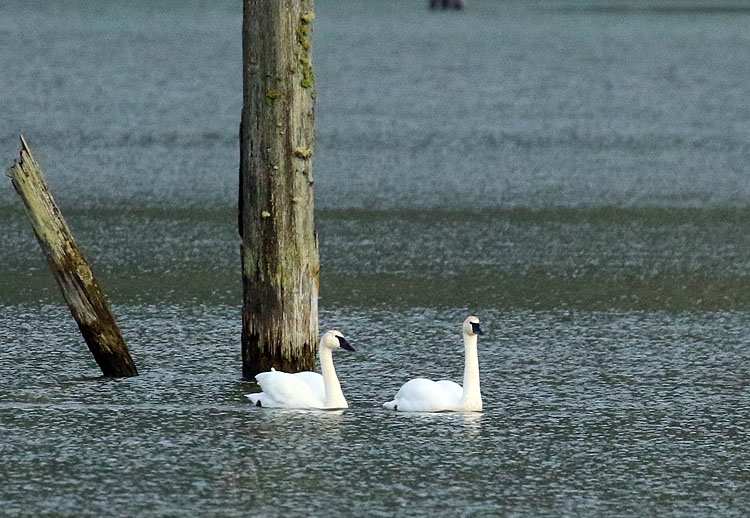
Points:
(335, 340)
(471, 326)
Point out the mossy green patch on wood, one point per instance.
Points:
(272, 96)
(302, 36)
(308, 79)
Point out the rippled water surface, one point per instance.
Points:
(575, 173)
(585, 412)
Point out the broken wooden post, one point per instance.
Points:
(72, 273)
(279, 247)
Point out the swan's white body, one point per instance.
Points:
(305, 389)
(424, 395)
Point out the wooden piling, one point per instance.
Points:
(79, 287)
(279, 247)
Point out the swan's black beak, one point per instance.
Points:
(477, 330)
(344, 344)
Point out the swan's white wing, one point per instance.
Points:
(451, 388)
(423, 395)
(285, 390)
(314, 381)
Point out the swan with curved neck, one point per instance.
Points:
(305, 389)
(424, 395)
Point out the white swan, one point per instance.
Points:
(423, 395)
(305, 389)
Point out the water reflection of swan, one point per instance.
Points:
(423, 395)
(287, 417)
(294, 424)
(472, 421)
(305, 389)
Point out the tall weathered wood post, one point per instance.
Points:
(79, 287)
(279, 247)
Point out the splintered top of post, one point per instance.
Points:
(24, 146)
(23, 156)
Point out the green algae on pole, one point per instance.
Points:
(279, 247)
(79, 287)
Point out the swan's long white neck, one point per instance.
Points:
(334, 396)
(472, 397)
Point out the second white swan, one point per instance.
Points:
(424, 395)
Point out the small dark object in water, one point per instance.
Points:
(447, 4)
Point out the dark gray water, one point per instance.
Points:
(577, 174)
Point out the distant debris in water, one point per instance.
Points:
(447, 4)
